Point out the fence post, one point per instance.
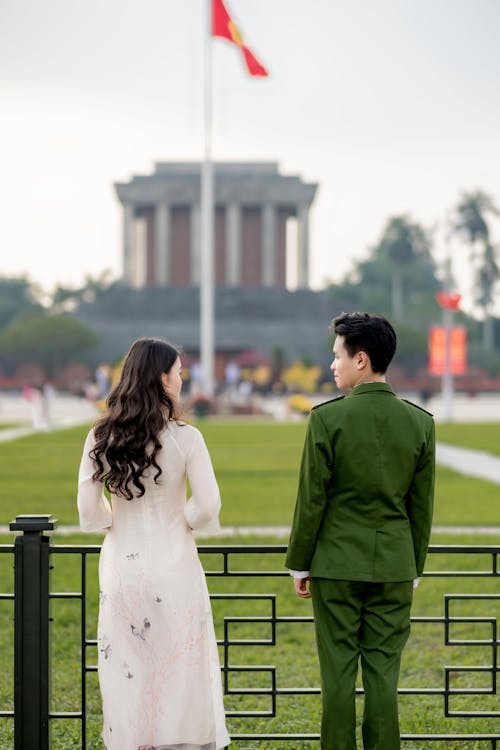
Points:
(31, 632)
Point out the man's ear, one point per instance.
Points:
(362, 360)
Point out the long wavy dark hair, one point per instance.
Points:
(127, 442)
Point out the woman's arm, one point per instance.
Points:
(204, 504)
(93, 507)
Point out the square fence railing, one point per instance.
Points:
(32, 597)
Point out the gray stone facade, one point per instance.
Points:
(253, 203)
(262, 319)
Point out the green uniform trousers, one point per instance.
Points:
(355, 619)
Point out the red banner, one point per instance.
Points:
(457, 350)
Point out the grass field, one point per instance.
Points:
(293, 656)
(12, 425)
(257, 470)
(256, 466)
(480, 436)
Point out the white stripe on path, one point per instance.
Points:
(470, 462)
(284, 531)
(13, 433)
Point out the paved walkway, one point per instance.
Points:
(470, 462)
(283, 532)
(13, 433)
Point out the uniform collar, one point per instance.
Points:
(371, 388)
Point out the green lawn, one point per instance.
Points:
(480, 436)
(12, 425)
(293, 655)
(256, 466)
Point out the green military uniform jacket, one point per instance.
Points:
(366, 488)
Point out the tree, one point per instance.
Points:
(52, 340)
(398, 279)
(403, 244)
(68, 298)
(471, 224)
(18, 296)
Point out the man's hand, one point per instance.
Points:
(303, 587)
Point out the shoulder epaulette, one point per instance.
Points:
(417, 407)
(330, 401)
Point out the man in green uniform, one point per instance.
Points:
(361, 530)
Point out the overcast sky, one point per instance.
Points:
(390, 105)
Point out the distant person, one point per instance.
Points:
(39, 415)
(103, 381)
(232, 375)
(158, 663)
(361, 530)
(48, 396)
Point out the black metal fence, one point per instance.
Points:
(32, 597)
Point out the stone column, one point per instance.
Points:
(268, 245)
(162, 244)
(303, 246)
(195, 245)
(139, 257)
(233, 244)
(128, 243)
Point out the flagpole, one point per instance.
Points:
(447, 384)
(207, 223)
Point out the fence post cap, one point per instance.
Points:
(33, 522)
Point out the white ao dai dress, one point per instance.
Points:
(158, 663)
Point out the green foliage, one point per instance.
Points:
(471, 223)
(18, 297)
(411, 352)
(398, 280)
(472, 210)
(401, 265)
(486, 359)
(66, 298)
(51, 340)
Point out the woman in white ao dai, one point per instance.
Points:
(158, 663)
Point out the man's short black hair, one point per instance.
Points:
(372, 334)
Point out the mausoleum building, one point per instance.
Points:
(253, 206)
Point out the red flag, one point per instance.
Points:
(223, 26)
(448, 300)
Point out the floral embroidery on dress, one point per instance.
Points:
(142, 632)
(106, 650)
(158, 666)
(105, 646)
